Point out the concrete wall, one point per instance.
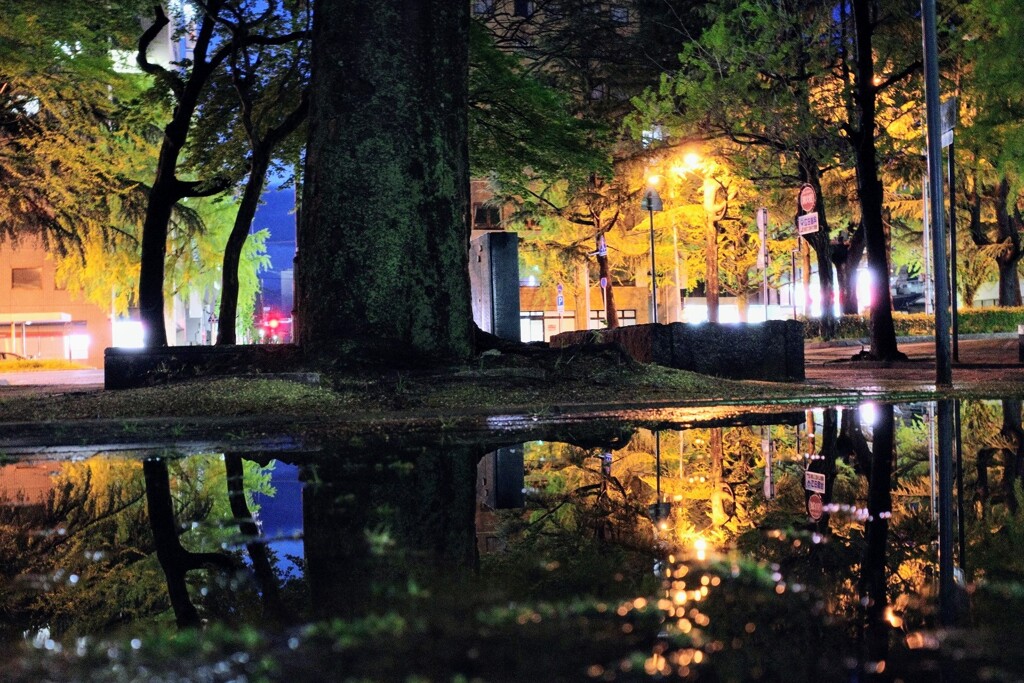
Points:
(763, 351)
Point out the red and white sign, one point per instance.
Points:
(807, 198)
(814, 507)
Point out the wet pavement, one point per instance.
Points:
(991, 361)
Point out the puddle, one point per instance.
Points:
(792, 546)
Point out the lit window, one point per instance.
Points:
(78, 346)
(483, 6)
(26, 278)
(627, 317)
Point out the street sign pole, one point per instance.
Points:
(943, 370)
(948, 123)
(762, 230)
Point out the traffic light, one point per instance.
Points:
(274, 329)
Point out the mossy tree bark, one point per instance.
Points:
(383, 235)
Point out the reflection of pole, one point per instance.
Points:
(933, 495)
(962, 555)
(657, 469)
(946, 585)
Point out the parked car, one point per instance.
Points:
(9, 355)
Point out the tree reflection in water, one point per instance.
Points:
(663, 545)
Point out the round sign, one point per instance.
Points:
(807, 198)
(814, 506)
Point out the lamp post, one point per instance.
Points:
(714, 211)
(652, 203)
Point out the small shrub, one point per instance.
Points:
(969, 321)
(33, 365)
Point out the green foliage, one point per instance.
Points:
(65, 170)
(521, 130)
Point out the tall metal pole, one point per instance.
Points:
(952, 254)
(943, 370)
(654, 273)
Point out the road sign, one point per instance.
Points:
(604, 282)
(814, 481)
(807, 198)
(807, 224)
(815, 507)
(558, 288)
(947, 115)
(560, 302)
(602, 246)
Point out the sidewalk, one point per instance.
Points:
(989, 363)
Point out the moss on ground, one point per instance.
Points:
(489, 384)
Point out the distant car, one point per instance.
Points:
(8, 355)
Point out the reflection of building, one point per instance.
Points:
(26, 486)
(38, 319)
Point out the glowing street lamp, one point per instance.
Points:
(651, 203)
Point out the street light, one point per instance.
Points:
(714, 210)
(651, 203)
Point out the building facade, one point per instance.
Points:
(38, 318)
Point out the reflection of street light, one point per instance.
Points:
(652, 203)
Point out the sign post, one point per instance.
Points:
(948, 123)
(762, 255)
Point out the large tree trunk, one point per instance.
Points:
(869, 187)
(384, 234)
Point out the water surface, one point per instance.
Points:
(803, 547)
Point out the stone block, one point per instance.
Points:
(763, 351)
(132, 368)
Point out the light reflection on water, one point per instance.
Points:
(805, 549)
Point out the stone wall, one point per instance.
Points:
(764, 351)
(131, 368)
